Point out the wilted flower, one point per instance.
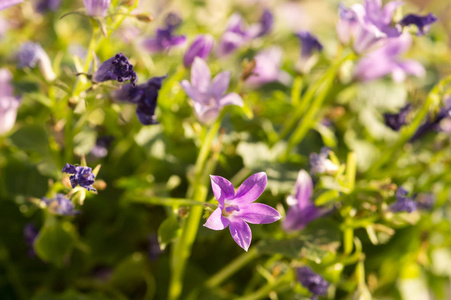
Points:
(267, 68)
(116, 68)
(302, 210)
(201, 47)
(208, 95)
(81, 176)
(96, 8)
(320, 164)
(421, 22)
(312, 281)
(7, 3)
(31, 54)
(145, 96)
(396, 121)
(8, 103)
(30, 233)
(235, 209)
(42, 6)
(385, 60)
(60, 205)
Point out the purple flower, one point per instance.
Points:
(201, 47)
(314, 282)
(403, 203)
(433, 123)
(347, 24)
(81, 176)
(145, 96)
(385, 60)
(396, 121)
(60, 205)
(266, 23)
(30, 233)
(309, 43)
(8, 103)
(320, 164)
(116, 68)
(208, 95)
(42, 6)
(236, 208)
(421, 22)
(172, 21)
(100, 150)
(96, 8)
(267, 68)
(165, 38)
(302, 210)
(7, 3)
(154, 249)
(425, 201)
(31, 54)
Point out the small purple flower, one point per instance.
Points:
(403, 203)
(165, 38)
(236, 35)
(421, 22)
(30, 233)
(433, 123)
(7, 3)
(43, 6)
(31, 54)
(81, 176)
(117, 68)
(201, 47)
(145, 96)
(302, 210)
(320, 164)
(236, 208)
(266, 23)
(385, 60)
(398, 120)
(100, 150)
(312, 281)
(208, 95)
(60, 205)
(8, 103)
(309, 43)
(97, 8)
(172, 21)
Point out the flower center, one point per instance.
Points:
(229, 209)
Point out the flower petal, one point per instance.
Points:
(258, 213)
(200, 75)
(220, 84)
(222, 189)
(192, 92)
(303, 189)
(217, 221)
(241, 233)
(231, 99)
(251, 188)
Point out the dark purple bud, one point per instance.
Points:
(81, 176)
(30, 232)
(116, 68)
(309, 43)
(396, 121)
(43, 6)
(201, 47)
(60, 205)
(403, 203)
(266, 23)
(421, 22)
(312, 281)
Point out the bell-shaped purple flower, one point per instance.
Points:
(321, 164)
(97, 8)
(237, 208)
(421, 22)
(43, 6)
(60, 205)
(302, 209)
(266, 23)
(30, 233)
(81, 176)
(208, 95)
(312, 281)
(165, 38)
(403, 203)
(8, 103)
(398, 120)
(385, 60)
(201, 47)
(116, 68)
(7, 3)
(31, 54)
(309, 43)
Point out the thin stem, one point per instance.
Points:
(280, 283)
(166, 201)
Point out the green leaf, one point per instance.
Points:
(168, 231)
(31, 137)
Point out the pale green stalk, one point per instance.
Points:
(280, 283)
(166, 201)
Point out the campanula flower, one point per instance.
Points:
(145, 97)
(302, 209)
(43, 6)
(320, 164)
(266, 23)
(97, 8)
(312, 281)
(396, 121)
(403, 203)
(31, 54)
(421, 22)
(385, 60)
(236, 208)
(30, 233)
(81, 176)
(165, 38)
(117, 68)
(347, 24)
(201, 47)
(208, 95)
(8, 103)
(60, 205)
(267, 68)
(309, 43)
(7, 3)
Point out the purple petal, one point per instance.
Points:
(7, 3)
(412, 67)
(231, 99)
(258, 213)
(200, 75)
(205, 114)
(389, 10)
(303, 189)
(192, 92)
(216, 221)
(220, 84)
(241, 233)
(222, 189)
(251, 188)
(297, 219)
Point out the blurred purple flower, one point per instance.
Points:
(267, 68)
(8, 103)
(117, 68)
(97, 8)
(425, 201)
(385, 60)
(396, 121)
(30, 233)
(7, 3)
(347, 24)
(235, 209)
(81, 176)
(165, 38)
(312, 281)
(43, 6)
(433, 123)
(145, 96)
(172, 21)
(60, 205)
(208, 95)
(100, 150)
(154, 249)
(320, 164)
(266, 23)
(31, 54)
(201, 47)
(302, 210)
(403, 203)
(309, 43)
(421, 22)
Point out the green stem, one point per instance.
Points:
(280, 283)
(348, 240)
(165, 201)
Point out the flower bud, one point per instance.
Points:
(201, 47)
